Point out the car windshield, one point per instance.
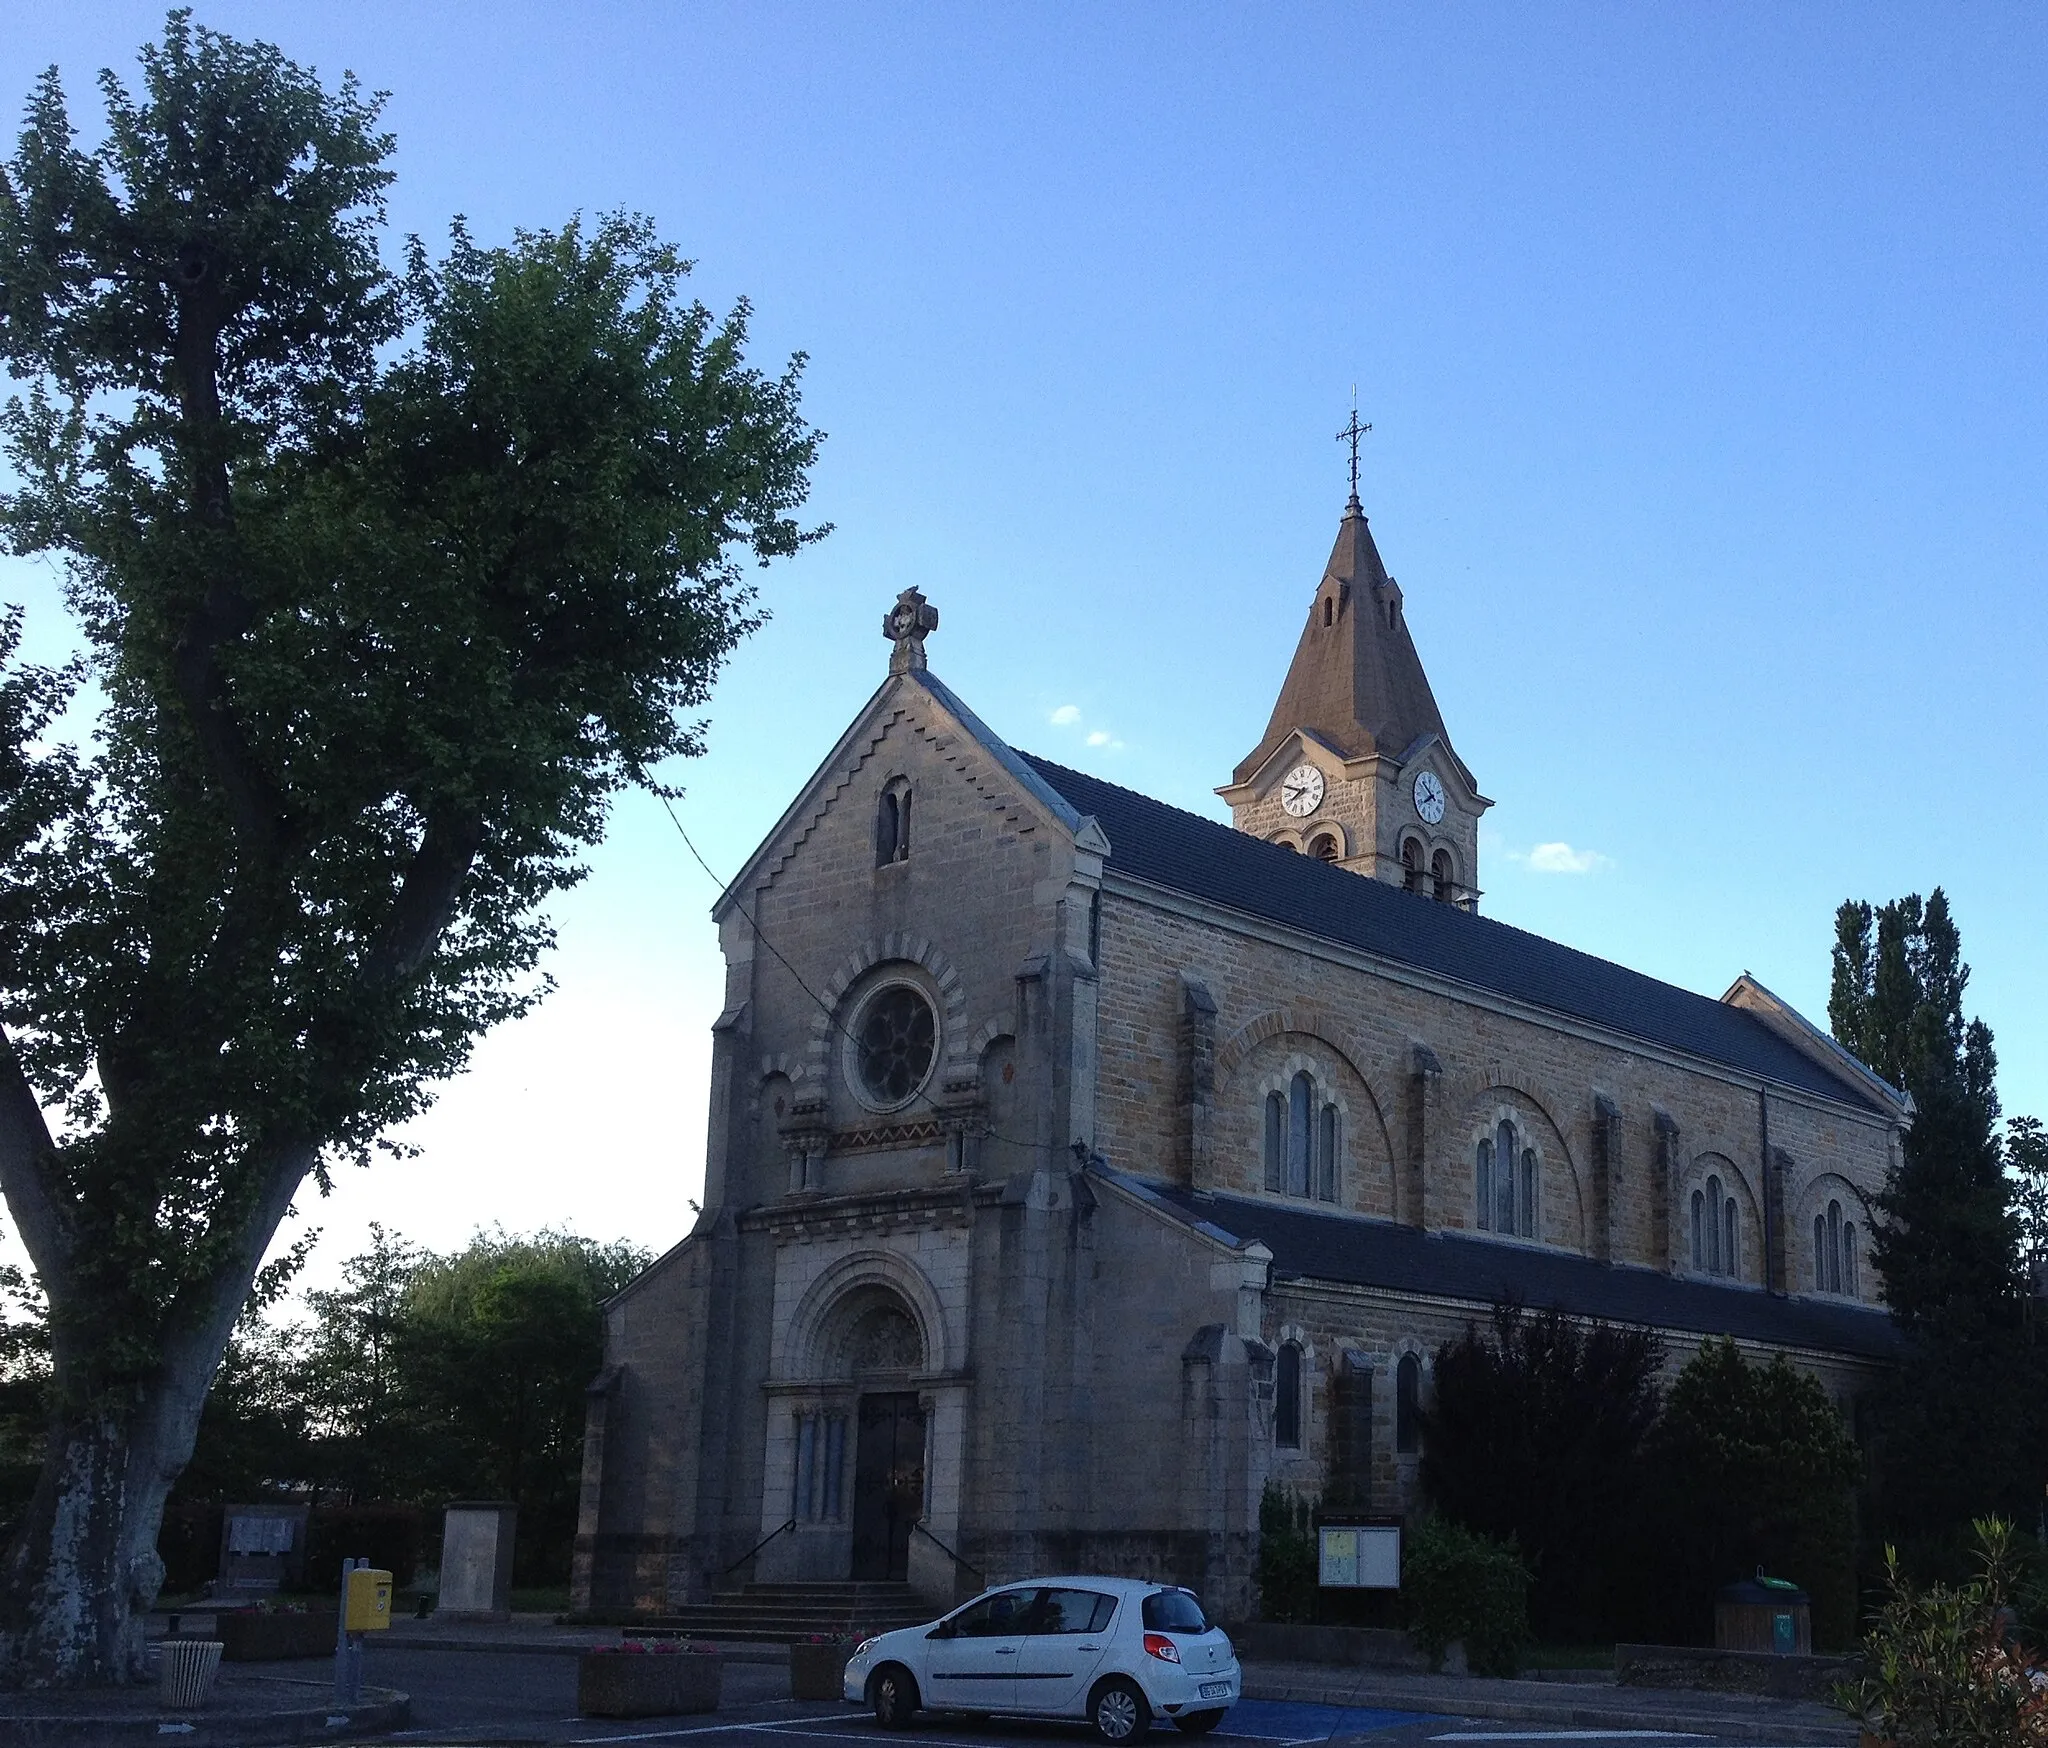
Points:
(1175, 1611)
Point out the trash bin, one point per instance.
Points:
(1772, 1615)
(185, 1676)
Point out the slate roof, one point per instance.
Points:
(1309, 1244)
(1186, 853)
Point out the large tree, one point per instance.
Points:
(389, 584)
(1961, 1421)
(1533, 1433)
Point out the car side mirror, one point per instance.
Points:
(944, 1630)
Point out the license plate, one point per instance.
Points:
(1215, 1690)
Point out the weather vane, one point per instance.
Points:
(1351, 434)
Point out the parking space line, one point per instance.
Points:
(1572, 1736)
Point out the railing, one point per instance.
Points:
(790, 1524)
(957, 1560)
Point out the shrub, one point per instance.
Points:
(388, 1536)
(1460, 1584)
(1287, 1556)
(1535, 1436)
(1751, 1467)
(1943, 1670)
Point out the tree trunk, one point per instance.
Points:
(83, 1570)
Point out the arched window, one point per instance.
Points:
(1287, 1398)
(1820, 1253)
(1408, 1404)
(1411, 864)
(1713, 1212)
(1323, 848)
(892, 823)
(1729, 1264)
(1440, 877)
(1849, 1257)
(1504, 1184)
(1301, 1104)
(1834, 1247)
(1303, 1141)
(1699, 1229)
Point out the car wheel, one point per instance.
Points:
(1198, 1723)
(1119, 1712)
(894, 1696)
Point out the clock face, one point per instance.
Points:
(1429, 797)
(1301, 790)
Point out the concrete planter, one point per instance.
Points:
(647, 1684)
(819, 1671)
(251, 1636)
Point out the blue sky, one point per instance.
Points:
(1703, 346)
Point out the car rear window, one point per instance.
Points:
(1075, 1611)
(1175, 1611)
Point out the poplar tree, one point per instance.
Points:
(388, 584)
(1960, 1423)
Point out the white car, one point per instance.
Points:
(1119, 1652)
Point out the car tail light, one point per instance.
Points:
(1160, 1646)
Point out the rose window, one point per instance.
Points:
(896, 1038)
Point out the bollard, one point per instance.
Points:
(185, 1676)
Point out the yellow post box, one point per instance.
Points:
(367, 1606)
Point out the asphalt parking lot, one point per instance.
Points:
(483, 1699)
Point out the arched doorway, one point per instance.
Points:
(879, 1348)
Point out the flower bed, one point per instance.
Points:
(635, 1680)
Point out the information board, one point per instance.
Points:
(1359, 1556)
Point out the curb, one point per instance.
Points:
(1561, 1713)
(384, 1709)
(391, 1641)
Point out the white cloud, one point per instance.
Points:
(1563, 859)
(1101, 737)
(1066, 716)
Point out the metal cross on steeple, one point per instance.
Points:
(1351, 434)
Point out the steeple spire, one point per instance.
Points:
(1356, 681)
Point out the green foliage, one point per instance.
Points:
(1752, 1468)
(1943, 1671)
(1287, 1569)
(1897, 1002)
(1533, 1437)
(389, 584)
(1460, 1584)
(1961, 1425)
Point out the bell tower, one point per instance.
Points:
(1355, 766)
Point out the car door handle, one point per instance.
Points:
(1006, 1650)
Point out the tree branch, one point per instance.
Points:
(27, 1158)
(426, 900)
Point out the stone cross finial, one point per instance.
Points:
(907, 625)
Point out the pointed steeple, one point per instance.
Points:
(1356, 682)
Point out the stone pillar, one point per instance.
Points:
(1606, 1169)
(1777, 1252)
(1425, 1079)
(1350, 1481)
(588, 1586)
(477, 1537)
(1663, 1252)
(1197, 1079)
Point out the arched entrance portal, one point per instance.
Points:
(879, 1351)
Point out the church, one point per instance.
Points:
(1078, 1165)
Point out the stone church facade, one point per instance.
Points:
(1078, 1164)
